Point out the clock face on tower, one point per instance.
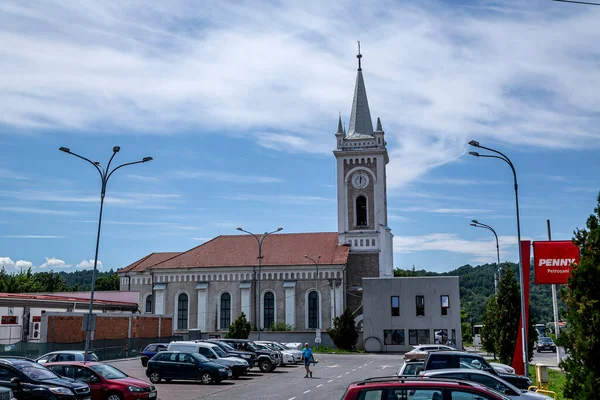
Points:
(360, 180)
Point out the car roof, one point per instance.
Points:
(158, 344)
(69, 352)
(455, 370)
(16, 361)
(396, 381)
(82, 363)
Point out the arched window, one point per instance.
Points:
(148, 308)
(182, 311)
(225, 310)
(313, 310)
(269, 310)
(361, 211)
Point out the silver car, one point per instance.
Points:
(485, 378)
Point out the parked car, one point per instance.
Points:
(105, 381)
(249, 356)
(29, 380)
(492, 381)
(151, 350)
(267, 360)
(502, 368)
(6, 393)
(410, 367)
(462, 359)
(420, 352)
(416, 388)
(545, 344)
(66, 355)
(214, 353)
(169, 365)
(290, 356)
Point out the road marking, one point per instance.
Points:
(339, 376)
(320, 385)
(386, 366)
(333, 366)
(354, 370)
(360, 367)
(329, 381)
(291, 398)
(307, 391)
(347, 372)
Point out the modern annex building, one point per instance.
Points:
(208, 286)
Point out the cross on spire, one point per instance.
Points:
(359, 56)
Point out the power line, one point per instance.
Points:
(578, 2)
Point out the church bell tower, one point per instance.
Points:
(361, 157)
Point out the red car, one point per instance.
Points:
(418, 388)
(105, 381)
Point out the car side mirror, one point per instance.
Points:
(94, 379)
(15, 381)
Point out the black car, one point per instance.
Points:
(169, 365)
(267, 360)
(150, 351)
(462, 359)
(545, 344)
(30, 380)
(249, 356)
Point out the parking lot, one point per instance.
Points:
(331, 377)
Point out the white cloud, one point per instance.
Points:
(143, 178)
(52, 262)
(441, 210)
(285, 199)
(10, 266)
(33, 237)
(23, 264)
(437, 73)
(478, 250)
(226, 177)
(86, 264)
(33, 210)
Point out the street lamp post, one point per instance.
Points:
(316, 262)
(504, 158)
(478, 224)
(105, 175)
(257, 302)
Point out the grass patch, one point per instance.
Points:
(333, 350)
(556, 381)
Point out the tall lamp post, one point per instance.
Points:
(504, 158)
(478, 224)
(316, 262)
(260, 242)
(105, 175)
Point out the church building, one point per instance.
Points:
(304, 279)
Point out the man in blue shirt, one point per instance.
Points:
(307, 356)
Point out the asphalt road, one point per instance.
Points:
(331, 377)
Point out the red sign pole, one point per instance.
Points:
(518, 363)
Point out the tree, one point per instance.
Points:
(508, 316)
(465, 327)
(581, 338)
(490, 331)
(240, 329)
(344, 333)
(108, 282)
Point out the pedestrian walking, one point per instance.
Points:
(307, 356)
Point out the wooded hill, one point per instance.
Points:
(29, 282)
(477, 285)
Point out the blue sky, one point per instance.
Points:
(238, 105)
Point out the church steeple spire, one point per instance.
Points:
(340, 127)
(360, 117)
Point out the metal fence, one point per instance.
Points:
(105, 349)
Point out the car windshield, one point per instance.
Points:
(108, 371)
(37, 372)
(251, 346)
(546, 340)
(219, 352)
(200, 358)
(226, 346)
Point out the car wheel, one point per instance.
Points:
(235, 376)
(114, 396)
(154, 377)
(538, 350)
(206, 378)
(144, 362)
(265, 366)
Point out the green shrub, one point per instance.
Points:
(344, 333)
(240, 329)
(280, 326)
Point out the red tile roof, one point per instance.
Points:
(242, 251)
(59, 297)
(151, 259)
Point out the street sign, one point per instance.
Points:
(553, 260)
(318, 340)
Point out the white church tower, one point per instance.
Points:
(361, 157)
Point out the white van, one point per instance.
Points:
(214, 353)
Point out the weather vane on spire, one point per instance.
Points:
(359, 56)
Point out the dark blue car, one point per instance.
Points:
(151, 350)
